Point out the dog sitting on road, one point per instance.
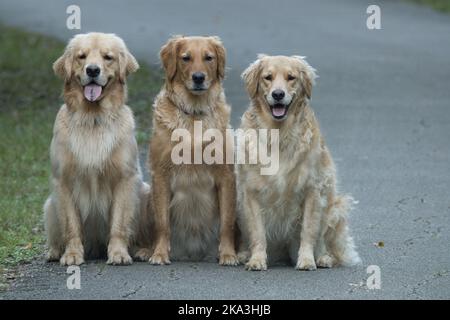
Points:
(297, 212)
(194, 204)
(98, 200)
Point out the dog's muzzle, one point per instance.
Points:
(93, 83)
(198, 79)
(279, 104)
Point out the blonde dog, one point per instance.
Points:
(191, 201)
(98, 198)
(297, 212)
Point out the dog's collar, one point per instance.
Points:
(181, 107)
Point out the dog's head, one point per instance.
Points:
(277, 81)
(194, 62)
(95, 61)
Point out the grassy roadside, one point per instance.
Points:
(30, 96)
(441, 5)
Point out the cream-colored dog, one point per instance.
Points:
(98, 198)
(297, 212)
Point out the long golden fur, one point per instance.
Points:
(191, 201)
(297, 212)
(98, 199)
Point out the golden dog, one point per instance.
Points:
(98, 196)
(297, 212)
(191, 201)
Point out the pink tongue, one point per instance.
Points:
(92, 92)
(278, 112)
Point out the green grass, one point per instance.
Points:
(30, 96)
(441, 5)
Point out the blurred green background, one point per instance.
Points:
(442, 5)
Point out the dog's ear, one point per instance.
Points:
(63, 65)
(221, 57)
(307, 75)
(127, 64)
(251, 77)
(306, 84)
(168, 55)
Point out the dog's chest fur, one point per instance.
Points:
(92, 140)
(280, 196)
(194, 211)
(91, 143)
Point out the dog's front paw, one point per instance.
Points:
(306, 264)
(143, 254)
(159, 258)
(325, 261)
(256, 264)
(228, 259)
(119, 257)
(72, 257)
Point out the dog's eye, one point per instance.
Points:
(209, 58)
(82, 56)
(268, 77)
(291, 77)
(108, 57)
(186, 58)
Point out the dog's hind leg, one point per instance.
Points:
(142, 249)
(53, 231)
(243, 252)
(324, 259)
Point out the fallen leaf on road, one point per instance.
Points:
(379, 244)
(28, 246)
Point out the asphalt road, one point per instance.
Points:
(383, 101)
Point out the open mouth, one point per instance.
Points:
(279, 110)
(92, 91)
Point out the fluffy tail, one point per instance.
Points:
(337, 236)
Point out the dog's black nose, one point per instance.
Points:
(92, 71)
(198, 77)
(278, 94)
